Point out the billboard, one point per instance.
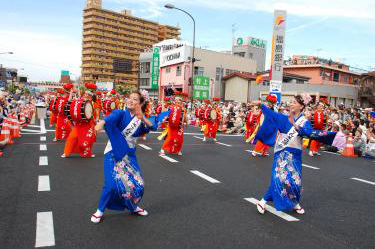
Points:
(173, 52)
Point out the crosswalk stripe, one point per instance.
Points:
(365, 181)
(43, 138)
(43, 147)
(45, 234)
(169, 159)
(308, 166)
(144, 147)
(43, 183)
(43, 161)
(272, 210)
(204, 176)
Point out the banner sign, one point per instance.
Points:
(155, 68)
(65, 73)
(201, 90)
(277, 58)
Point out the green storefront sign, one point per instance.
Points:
(155, 68)
(252, 41)
(201, 88)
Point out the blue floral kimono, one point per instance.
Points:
(286, 181)
(123, 181)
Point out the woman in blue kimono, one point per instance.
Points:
(123, 181)
(285, 187)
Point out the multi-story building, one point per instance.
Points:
(175, 65)
(112, 43)
(367, 90)
(251, 48)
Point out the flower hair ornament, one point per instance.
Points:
(306, 98)
(145, 94)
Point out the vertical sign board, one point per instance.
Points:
(201, 88)
(155, 68)
(277, 58)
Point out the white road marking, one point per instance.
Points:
(51, 130)
(43, 138)
(228, 145)
(45, 235)
(169, 159)
(272, 210)
(361, 180)
(201, 138)
(43, 160)
(145, 147)
(43, 147)
(199, 134)
(310, 167)
(28, 130)
(43, 183)
(34, 126)
(24, 133)
(42, 127)
(206, 177)
(329, 152)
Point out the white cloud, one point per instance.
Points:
(329, 8)
(42, 55)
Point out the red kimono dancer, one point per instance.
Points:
(63, 125)
(260, 148)
(175, 136)
(319, 120)
(250, 124)
(53, 115)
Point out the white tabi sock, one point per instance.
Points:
(98, 213)
(262, 202)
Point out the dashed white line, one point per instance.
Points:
(310, 167)
(34, 126)
(42, 127)
(45, 234)
(365, 181)
(228, 145)
(201, 138)
(169, 159)
(43, 138)
(272, 210)
(145, 147)
(43, 183)
(206, 177)
(43, 147)
(43, 160)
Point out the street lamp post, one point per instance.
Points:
(171, 6)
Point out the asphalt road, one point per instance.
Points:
(186, 210)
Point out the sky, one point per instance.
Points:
(46, 35)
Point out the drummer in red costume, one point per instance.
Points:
(212, 117)
(175, 130)
(63, 125)
(109, 103)
(318, 122)
(163, 107)
(97, 102)
(260, 148)
(82, 137)
(202, 110)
